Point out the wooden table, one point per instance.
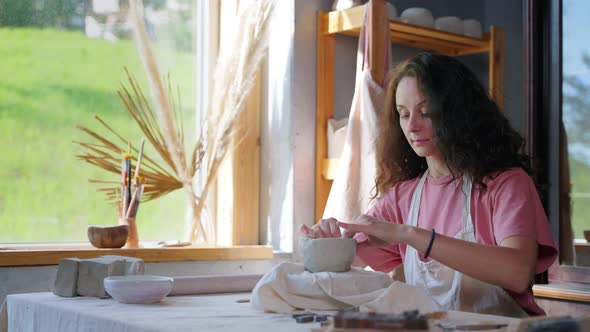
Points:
(219, 312)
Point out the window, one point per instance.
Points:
(557, 119)
(576, 119)
(63, 62)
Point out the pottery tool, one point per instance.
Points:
(126, 182)
(137, 187)
(128, 158)
(447, 327)
(367, 321)
(176, 243)
(212, 284)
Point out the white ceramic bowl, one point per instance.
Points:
(327, 254)
(139, 289)
(472, 28)
(418, 16)
(451, 24)
(391, 11)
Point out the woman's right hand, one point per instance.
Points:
(324, 228)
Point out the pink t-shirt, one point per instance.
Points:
(509, 206)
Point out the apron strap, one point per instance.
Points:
(415, 204)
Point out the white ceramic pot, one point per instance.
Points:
(472, 28)
(391, 11)
(451, 24)
(418, 16)
(140, 289)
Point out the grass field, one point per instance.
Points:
(51, 81)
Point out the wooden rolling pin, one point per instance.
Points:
(211, 284)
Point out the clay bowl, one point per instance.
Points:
(108, 236)
(587, 235)
(327, 254)
(138, 289)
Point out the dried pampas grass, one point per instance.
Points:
(235, 72)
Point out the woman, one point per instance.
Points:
(455, 205)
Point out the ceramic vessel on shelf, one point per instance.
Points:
(587, 235)
(472, 28)
(132, 235)
(345, 4)
(451, 24)
(108, 236)
(327, 254)
(418, 16)
(391, 11)
(138, 289)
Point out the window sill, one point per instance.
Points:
(20, 255)
(571, 291)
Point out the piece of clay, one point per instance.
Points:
(327, 254)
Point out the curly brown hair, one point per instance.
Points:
(469, 130)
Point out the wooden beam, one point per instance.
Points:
(324, 110)
(379, 30)
(246, 172)
(496, 65)
(343, 20)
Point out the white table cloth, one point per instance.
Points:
(220, 312)
(216, 312)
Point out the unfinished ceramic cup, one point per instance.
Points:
(327, 254)
(108, 236)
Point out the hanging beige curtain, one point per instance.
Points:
(355, 178)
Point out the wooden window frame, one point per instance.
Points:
(51, 254)
(542, 116)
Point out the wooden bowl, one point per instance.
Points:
(108, 236)
(587, 235)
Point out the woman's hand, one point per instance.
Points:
(380, 233)
(324, 228)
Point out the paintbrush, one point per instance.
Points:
(139, 157)
(131, 212)
(131, 208)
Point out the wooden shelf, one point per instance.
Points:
(349, 22)
(564, 291)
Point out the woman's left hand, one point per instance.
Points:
(380, 233)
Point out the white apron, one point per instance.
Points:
(451, 289)
(350, 194)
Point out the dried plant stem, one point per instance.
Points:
(159, 96)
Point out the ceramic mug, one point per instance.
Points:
(472, 28)
(418, 16)
(451, 24)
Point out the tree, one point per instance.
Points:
(576, 112)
